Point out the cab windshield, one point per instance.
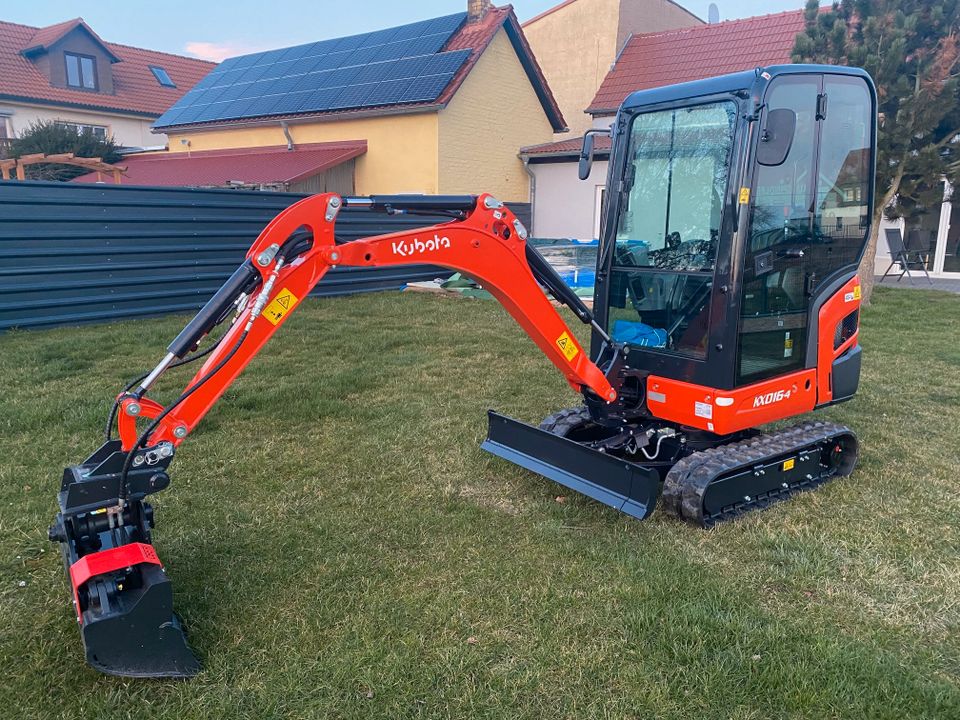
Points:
(668, 225)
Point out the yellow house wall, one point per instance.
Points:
(493, 114)
(401, 152)
(647, 16)
(575, 46)
(577, 43)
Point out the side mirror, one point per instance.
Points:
(586, 157)
(776, 138)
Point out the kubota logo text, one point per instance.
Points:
(770, 398)
(405, 249)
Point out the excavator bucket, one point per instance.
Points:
(623, 485)
(135, 633)
(121, 594)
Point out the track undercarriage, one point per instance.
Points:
(707, 479)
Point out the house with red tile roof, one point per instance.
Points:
(565, 206)
(67, 73)
(441, 106)
(593, 32)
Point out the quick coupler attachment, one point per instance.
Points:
(122, 596)
(621, 484)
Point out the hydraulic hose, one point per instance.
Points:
(130, 385)
(122, 495)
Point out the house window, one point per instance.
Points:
(81, 71)
(99, 131)
(162, 77)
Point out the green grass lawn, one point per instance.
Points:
(340, 547)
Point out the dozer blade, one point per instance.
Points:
(622, 485)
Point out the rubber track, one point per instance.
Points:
(564, 421)
(688, 480)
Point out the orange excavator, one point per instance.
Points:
(736, 212)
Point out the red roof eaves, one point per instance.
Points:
(373, 111)
(475, 36)
(570, 146)
(266, 164)
(479, 35)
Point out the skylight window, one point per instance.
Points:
(162, 77)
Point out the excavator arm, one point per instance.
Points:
(488, 245)
(122, 596)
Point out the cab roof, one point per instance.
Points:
(752, 81)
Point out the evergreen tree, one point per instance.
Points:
(911, 48)
(51, 138)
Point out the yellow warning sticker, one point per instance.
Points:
(280, 306)
(857, 293)
(744, 195)
(788, 464)
(567, 346)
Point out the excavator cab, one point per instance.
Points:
(736, 207)
(726, 298)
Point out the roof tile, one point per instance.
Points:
(666, 58)
(571, 146)
(135, 88)
(258, 165)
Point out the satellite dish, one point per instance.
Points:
(713, 14)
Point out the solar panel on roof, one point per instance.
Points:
(353, 96)
(396, 65)
(404, 68)
(296, 52)
(321, 98)
(233, 91)
(389, 92)
(291, 102)
(283, 85)
(253, 73)
(425, 88)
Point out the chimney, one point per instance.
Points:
(476, 9)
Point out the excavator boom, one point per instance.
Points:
(488, 244)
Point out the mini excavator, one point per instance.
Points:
(736, 210)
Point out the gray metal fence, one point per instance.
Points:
(85, 253)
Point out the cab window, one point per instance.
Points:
(668, 226)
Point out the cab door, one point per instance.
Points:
(809, 219)
(773, 323)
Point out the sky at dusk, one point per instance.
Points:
(215, 30)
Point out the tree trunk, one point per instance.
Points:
(867, 268)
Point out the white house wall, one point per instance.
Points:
(128, 131)
(565, 206)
